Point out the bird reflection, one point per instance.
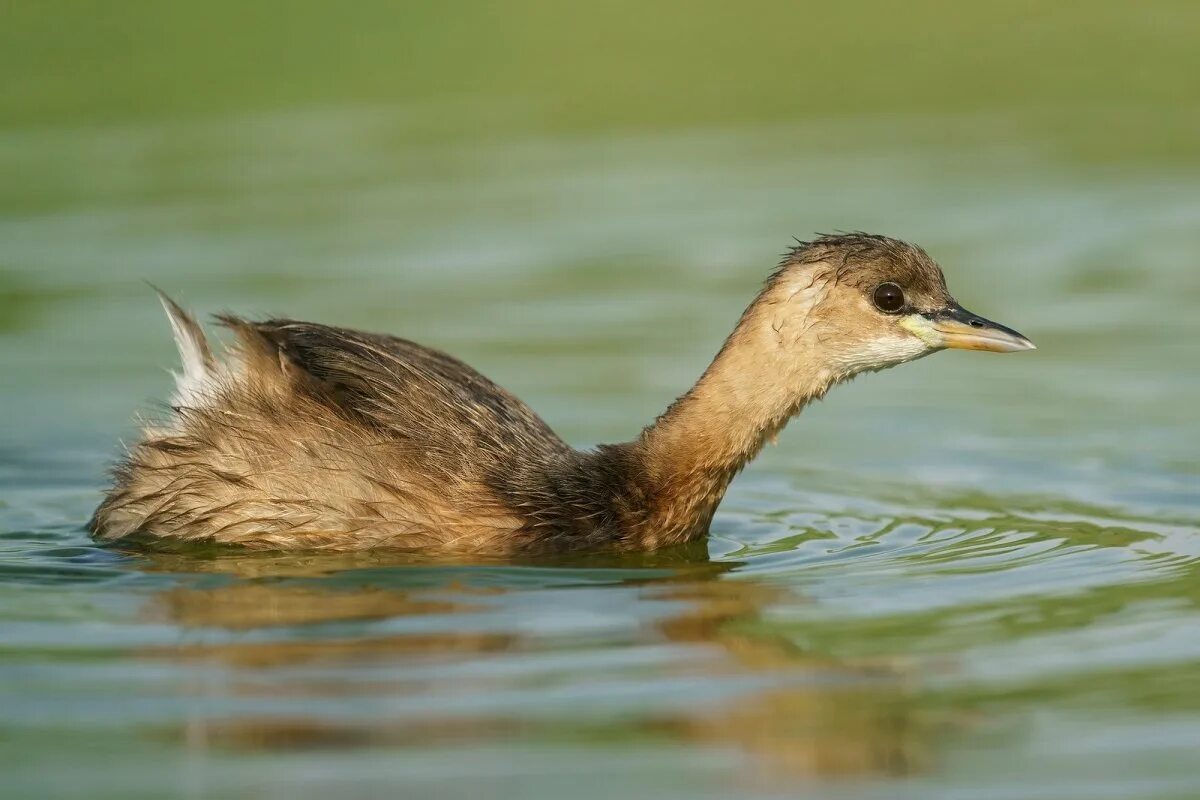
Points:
(432, 644)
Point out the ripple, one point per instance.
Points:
(49, 574)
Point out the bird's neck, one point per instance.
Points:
(695, 448)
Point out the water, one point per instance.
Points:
(972, 576)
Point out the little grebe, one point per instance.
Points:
(309, 436)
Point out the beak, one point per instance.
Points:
(955, 327)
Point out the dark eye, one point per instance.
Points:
(889, 298)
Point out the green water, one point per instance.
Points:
(972, 576)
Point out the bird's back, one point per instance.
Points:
(308, 435)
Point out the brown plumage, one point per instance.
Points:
(310, 436)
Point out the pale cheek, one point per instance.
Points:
(882, 353)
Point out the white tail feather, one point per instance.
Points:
(197, 360)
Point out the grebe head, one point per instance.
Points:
(859, 302)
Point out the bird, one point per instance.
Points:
(303, 436)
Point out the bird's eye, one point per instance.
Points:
(889, 298)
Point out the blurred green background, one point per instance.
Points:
(943, 571)
(1093, 80)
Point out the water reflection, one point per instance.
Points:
(417, 655)
(830, 718)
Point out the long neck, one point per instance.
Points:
(693, 450)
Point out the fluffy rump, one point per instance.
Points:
(307, 436)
